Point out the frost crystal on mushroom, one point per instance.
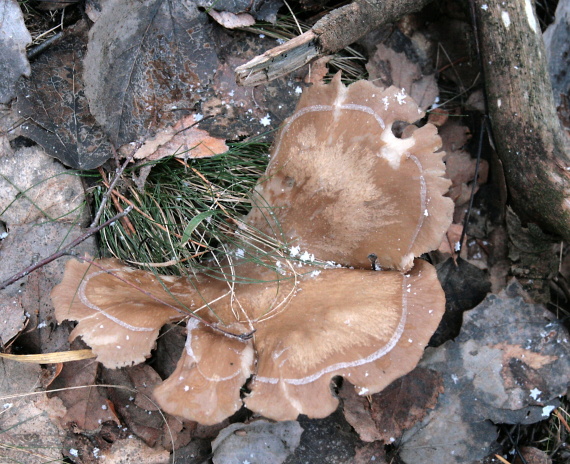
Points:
(340, 186)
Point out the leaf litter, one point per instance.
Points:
(527, 376)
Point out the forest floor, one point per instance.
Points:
(492, 386)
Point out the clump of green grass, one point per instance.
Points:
(188, 211)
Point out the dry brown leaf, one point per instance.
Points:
(183, 140)
(388, 67)
(232, 20)
(356, 411)
(87, 409)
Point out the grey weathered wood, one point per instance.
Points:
(332, 33)
(533, 147)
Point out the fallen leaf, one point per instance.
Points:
(262, 10)
(54, 103)
(385, 415)
(183, 140)
(405, 402)
(232, 20)
(30, 433)
(162, 54)
(87, 409)
(14, 38)
(258, 442)
(33, 186)
(388, 67)
(147, 425)
(532, 456)
(132, 450)
(356, 409)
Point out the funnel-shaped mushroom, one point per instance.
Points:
(369, 327)
(341, 184)
(120, 309)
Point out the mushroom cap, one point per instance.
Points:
(369, 327)
(341, 185)
(119, 322)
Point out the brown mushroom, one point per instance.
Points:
(116, 319)
(339, 187)
(341, 184)
(369, 327)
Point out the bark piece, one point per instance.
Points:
(529, 139)
(332, 33)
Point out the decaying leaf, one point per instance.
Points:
(30, 434)
(14, 37)
(34, 186)
(509, 364)
(132, 450)
(232, 20)
(130, 403)
(54, 103)
(392, 68)
(385, 415)
(258, 442)
(183, 140)
(262, 10)
(146, 61)
(87, 409)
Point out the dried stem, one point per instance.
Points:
(64, 251)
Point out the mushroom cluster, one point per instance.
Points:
(340, 187)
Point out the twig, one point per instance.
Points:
(242, 337)
(118, 174)
(330, 34)
(64, 251)
(473, 186)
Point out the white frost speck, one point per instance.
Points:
(457, 246)
(363, 391)
(401, 96)
(298, 90)
(506, 19)
(7, 405)
(454, 378)
(186, 388)
(385, 101)
(41, 325)
(240, 253)
(307, 257)
(265, 121)
(529, 10)
(103, 407)
(410, 340)
(262, 36)
(315, 273)
(3, 235)
(198, 117)
(392, 439)
(294, 251)
(485, 7)
(426, 213)
(547, 410)
(535, 394)
(73, 452)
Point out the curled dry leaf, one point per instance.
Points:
(369, 327)
(182, 140)
(376, 193)
(232, 20)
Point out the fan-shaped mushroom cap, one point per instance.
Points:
(370, 327)
(343, 186)
(119, 322)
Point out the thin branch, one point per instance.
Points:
(118, 175)
(64, 251)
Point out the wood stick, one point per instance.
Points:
(530, 142)
(330, 34)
